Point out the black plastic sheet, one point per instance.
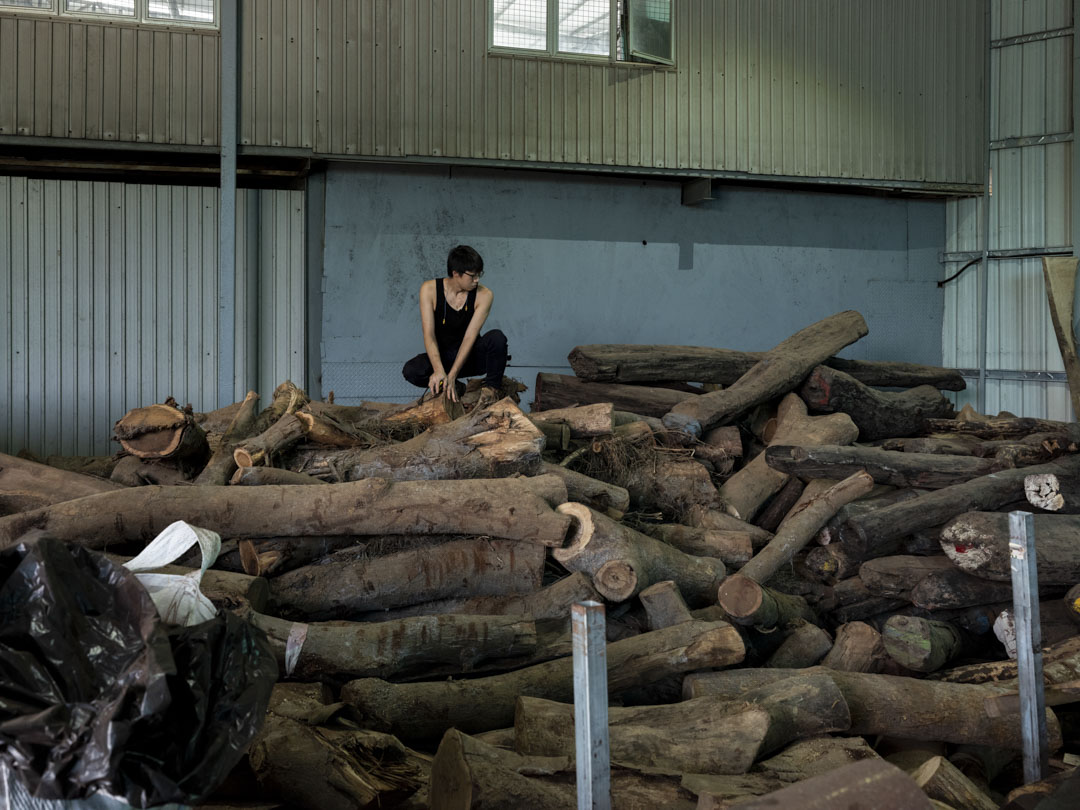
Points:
(97, 694)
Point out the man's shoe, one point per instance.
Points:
(488, 396)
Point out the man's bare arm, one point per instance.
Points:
(431, 346)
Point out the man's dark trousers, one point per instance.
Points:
(488, 357)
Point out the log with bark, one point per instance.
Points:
(623, 562)
(778, 371)
(221, 465)
(671, 484)
(733, 547)
(496, 441)
(427, 710)
(458, 569)
(664, 605)
(584, 421)
(267, 447)
(588, 490)
(922, 470)
(132, 471)
(941, 780)
(773, 514)
(879, 497)
(1007, 428)
(953, 588)
(271, 476)
(877, 414)
(950, 445)
(163, 431)
(1061, 663)
(426, 412)
(921, 645)
(701, 517)
(978, 543)
(896, 575)
(287, 398)
(858, 647)
(749, 603)
(26, 485)
(498, 508)
(804, 646)
(992, 491)
(631, 363)
(553, 391)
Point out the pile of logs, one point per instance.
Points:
(804, 559)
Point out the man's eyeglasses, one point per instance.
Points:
(476, 274)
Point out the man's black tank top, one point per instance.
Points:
(450, 323)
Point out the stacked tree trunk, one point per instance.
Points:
(792, 560)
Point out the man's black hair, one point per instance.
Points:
(464, 259)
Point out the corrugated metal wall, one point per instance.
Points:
(1031, 142)
(112, 295)
(846, 89)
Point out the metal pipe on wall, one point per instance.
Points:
(1074, 230)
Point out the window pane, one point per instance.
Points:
(125, 8)
(45, 4)
(585, 26)
(649, 29)
(201, 11)
(521, 24)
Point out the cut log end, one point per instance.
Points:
(243, 458)
(1044, 491)
(616, 581)
(579, 533)
(740, 596)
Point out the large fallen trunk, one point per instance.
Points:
(492, 442)
(882, 496)
(633, 363)
(406, 647)
(934, 508)
(878, 414)
(978, 543)
(222, 464)
(922, 470)
(562, 391)
(778, 371)
(458, 569)
(26, 485)
(1011, 428)
(427, 710)
(747, 491)
(623, 562)
(502, 508)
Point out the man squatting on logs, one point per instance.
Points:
(452, 311)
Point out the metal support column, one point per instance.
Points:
(591, 706)
(230, 47)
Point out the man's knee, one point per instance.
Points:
(416, 371)
(496, 339)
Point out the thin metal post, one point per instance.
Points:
(230, 47)
(591, 706)
(1025, 583)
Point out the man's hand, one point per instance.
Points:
(437, 382)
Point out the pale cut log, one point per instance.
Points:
(778, 371)
(553, 601)
(1014, 427)
(634, 363)
(877, 414)
(1054, 492)
(163, 431)
(132, 471)
(406, 647)
(747, 491)
(221, 465)
(664, 605)
(496, 441)
(926, 471)
(596, 540)
(498, 508)
(893, 705)
(458, 569)
(734, 548)
(954, 588)
(858, 648)
(934, 508)
(702, 517)
(552, 391)
(671, 485)
(269, 444)
(869, 783)
(799, 528)
(317, 768)
(588, 490)
(896, 575)
(584, 421)
(921, 645)
(271, 476)
(750, 603)
(978, 543)
(805, 646)
(26, 485)
(426, 710)
(704, 735)
(426, 412)
(773, 514)
(941, 780)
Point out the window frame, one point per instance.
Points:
(141, 16)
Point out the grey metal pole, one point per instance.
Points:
(230, 47)
(591, 706)
(1025, 583)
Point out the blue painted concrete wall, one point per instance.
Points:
(576, 260)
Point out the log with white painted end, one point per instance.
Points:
(978, 542)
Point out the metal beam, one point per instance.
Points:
(230, 47)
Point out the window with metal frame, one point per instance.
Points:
(623, 30)
(166, 12)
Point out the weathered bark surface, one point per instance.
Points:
(553, 391)
(749, 603)
(287, 398)
(162, 431)
(458, 569)
(773, 514)
(799, 528)
(664, 605)
(280, 554)
(496, 441)
(921, 645)
(700, 517)
(870, 783)
(941, 780)
(221, 465)
(266, 446)
(805, 758)
(632, 363)
(1054, 492)
(26, 485)
(1011, 428)
(503, 508)
(1061, 663)
(778, 371)
(895, 576)
(992, 491)
(953, 588)
(747, 491)
(596, 540)
(877, 414)
(271, 476)
(858, 648)
(584, 421)
(805, 646)
(132, 471)
(588, 490)
(426, 710)
(727, 439)
(978, 543)
(671, 485)
(734, 548)
(922, 470)
(422, 644)
(326, 429)
(949, 445)
(830, 564)
(892, 705)
(881, 496)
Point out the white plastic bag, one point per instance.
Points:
(177, 596)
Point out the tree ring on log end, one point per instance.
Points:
(740, 596)
(616, 580)
(580, 532)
